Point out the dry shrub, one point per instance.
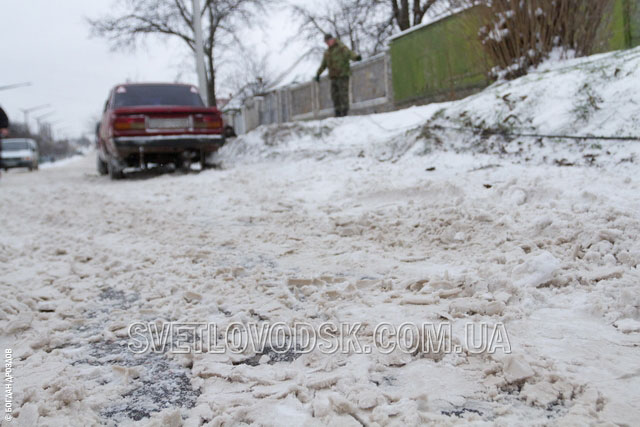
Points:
(519, 34)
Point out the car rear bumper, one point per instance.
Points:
(168, 143)
(16, 163)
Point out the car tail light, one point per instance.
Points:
(207, 121)
(129, 123)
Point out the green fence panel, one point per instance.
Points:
(633, 8)
(614, 31)
(445, 60)
(438, 61)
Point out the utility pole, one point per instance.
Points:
(42, 116)
(26, 112)
(40, 120)
(197, 29)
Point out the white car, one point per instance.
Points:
(19, 153)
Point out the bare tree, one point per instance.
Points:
(249, 73)
(517, 35)
(364, 25)
(407, 14)
(221, 19)
(47, 146)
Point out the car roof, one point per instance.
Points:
(18, 140)
(154, 84)
(29, 141)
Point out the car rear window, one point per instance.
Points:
(15, 145)
(148, 95)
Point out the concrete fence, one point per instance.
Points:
(434, 62)
(369, 92)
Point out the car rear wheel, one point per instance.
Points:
(101, 165)
(182, 163)
(115, 170)
(203, 160)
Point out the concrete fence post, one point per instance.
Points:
(350, 91)
(315, 104)
(279, 106)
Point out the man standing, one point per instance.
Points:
(336, 58)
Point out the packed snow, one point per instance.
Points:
(411, 216)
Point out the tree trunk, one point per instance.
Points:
(401, 14)
(211, 78)
(211, 81)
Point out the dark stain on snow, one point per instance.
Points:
(275, 355)
(118, 299)
(161, 383)
(460, 412)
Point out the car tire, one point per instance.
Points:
(101, 165)
(203, 160)
(115, 171)
(182, 165)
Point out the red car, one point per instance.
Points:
(158, 124)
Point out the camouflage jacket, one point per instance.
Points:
(336, 59)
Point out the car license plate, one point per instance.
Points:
(170, 123)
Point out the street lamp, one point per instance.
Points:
(16, 85)
(42, 116)
(40, 119)
(26, 112)
(53, 124)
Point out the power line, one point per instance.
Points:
(507, 134)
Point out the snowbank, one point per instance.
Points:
(63, 162)
(595, 96)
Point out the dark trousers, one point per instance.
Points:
(340, 95)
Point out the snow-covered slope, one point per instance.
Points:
(595, 96)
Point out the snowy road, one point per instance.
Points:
(551, 252)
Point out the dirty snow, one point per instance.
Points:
(363, 219)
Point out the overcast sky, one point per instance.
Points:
(48, 43)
